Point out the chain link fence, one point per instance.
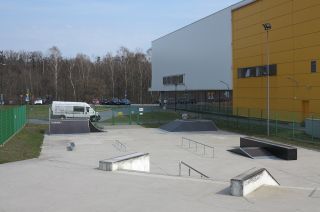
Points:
(12, 119)
(283, 124)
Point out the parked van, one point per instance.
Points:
(74, 110)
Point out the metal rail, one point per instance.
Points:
(120, 146)
(196, 143)
(189, 169)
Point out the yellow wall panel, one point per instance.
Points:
(303, 4)
(250, 41)
(306, 27)
(307, 40)
(243, 23)
(247, 62)
(269, 4)
(285, 69)
(281, 21)
(277, 10)
(246, 11)
(248, 52)
(281, 45)
(293, 42)
(306, 14)
(279, 34)
(307, 53)
(247, 32)
(281, 57)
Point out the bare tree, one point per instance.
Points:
(126, 73)
(55, 54)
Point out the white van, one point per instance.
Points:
(74, 110)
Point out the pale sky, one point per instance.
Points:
(95, 27)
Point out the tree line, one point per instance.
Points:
(126, 74)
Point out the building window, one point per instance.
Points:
(173, 80)
(313, 66)
(257, 71)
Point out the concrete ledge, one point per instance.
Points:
(251, 180)
(134, 161)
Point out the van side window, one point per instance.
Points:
(78, 109)
(88, 108)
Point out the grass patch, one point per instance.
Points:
(24, 145)
(148, 119)
(101, 108)
(38, 112)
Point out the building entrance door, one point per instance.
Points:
(305, 108)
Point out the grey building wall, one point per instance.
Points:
(202, 51)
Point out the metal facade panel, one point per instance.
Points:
(202, 51)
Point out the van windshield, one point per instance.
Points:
(88, 109)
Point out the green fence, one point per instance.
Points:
(282, 124)
(141, 115)
(12, 119)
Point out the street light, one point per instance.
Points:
(228, 87)
(267, 27)
(1, 95)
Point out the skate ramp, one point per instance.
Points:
(189, 126)
(261, 148)
(250, 181)
(93, 128)
(72, 126)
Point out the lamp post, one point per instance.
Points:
(267, 27)
(228, 87)
(1, 94)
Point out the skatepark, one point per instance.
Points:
(61, 180)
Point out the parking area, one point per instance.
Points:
(61, 180)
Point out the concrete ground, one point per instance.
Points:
(70, 181)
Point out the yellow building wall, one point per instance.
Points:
(294, 42)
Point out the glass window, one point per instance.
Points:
(173, 80)
(313, 66)
(88, 108)
(257, 71)
(78, 109)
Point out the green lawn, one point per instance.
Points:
(24, 145)
(149, 119)
(38, 112)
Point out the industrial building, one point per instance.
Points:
(233, 49)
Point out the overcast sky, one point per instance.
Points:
(95, 27)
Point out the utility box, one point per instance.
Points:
(313, 127)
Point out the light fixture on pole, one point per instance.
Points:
(267, 27)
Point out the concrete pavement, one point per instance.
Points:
(69, 181)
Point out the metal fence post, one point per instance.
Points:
(179, 168)
(248, 119)
(113, 121)
(293, 126)
(276, 124)
(312, 132)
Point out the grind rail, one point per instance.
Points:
(189, 170)
(120, 146)
(196, 144)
